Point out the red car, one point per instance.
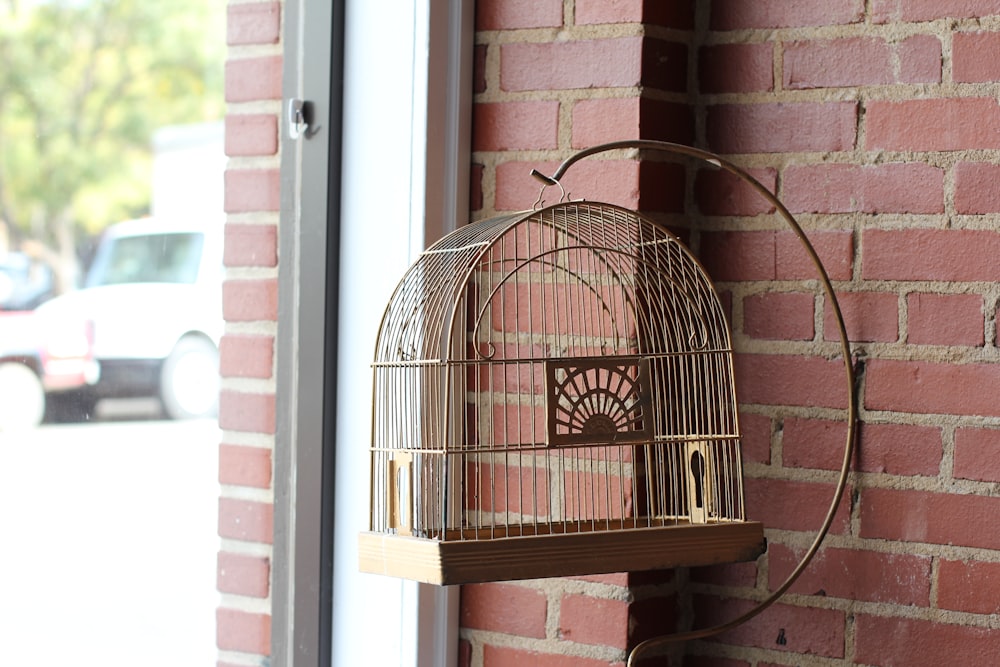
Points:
(39, 362)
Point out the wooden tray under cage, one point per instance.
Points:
(560, 554)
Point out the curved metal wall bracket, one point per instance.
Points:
(849, 376)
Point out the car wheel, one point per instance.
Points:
(189, 382)
(22, 397)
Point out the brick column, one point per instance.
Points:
(553, 77)
(247, 406)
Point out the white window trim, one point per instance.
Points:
(403, 126)
(404, 183)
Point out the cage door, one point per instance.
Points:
(400, 487)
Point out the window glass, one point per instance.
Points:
(156, 258)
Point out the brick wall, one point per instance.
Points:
(247, 406)
(878, 125)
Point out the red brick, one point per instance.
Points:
(666, 121)
(479, 68)
(801, 506)
(976, 453)
(782, 128)
(661, 187)
(919, 59)
(502, 126)
(923, 516)
(847, 188)
(251, 245)
(866, 576)
(246, 355)
(252, 413)
(739, 255)
(253, 23)
(769, 255)
(856, 61)
(779, 316)
(975, 56)
(251, 134)
(572, 64)
(611, 181)
(253, 79)
(592, 12)
(651, 616)
(755, 441)
(950, 255)
(678, 15)
(243, 575)
(886, 11)
(250, 300)
(895, 449)
(720, 192)
(464, 653)
(246, 520)
(860, 61)
(588, 620)
(476, 187)
(252, 190)
(790, 380)
(736, 68)
(737, 575)
(975, 187)
(868, 316)
(503, 656)
(516, 14)
(506, 608)
(803, 630)
(813, 443)
(712, 661)
(664, 65)
(945, 319)
(244, 466)
(598, 121)
(835, 250)
(890, 640)
(243, 631)
(950, 124)
(970, 586)
(918, 387)
(739, 15)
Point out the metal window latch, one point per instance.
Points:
(298, 117)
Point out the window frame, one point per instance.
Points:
(383, 172)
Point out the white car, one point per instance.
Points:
(153, 296)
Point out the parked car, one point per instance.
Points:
(153, 296)
(25, 282)
(38, 362)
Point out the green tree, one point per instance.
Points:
(83, 85)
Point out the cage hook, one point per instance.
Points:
(546, 183)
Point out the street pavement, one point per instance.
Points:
(108, 542)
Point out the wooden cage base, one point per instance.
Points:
(559, 555)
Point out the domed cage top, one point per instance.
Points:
(553, 395)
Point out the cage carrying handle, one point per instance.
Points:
(852, 394)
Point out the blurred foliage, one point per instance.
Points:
(83, 85)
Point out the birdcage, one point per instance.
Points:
(554, 395)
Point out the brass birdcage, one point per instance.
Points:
(554, 395)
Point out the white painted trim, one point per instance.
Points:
(405, 183)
